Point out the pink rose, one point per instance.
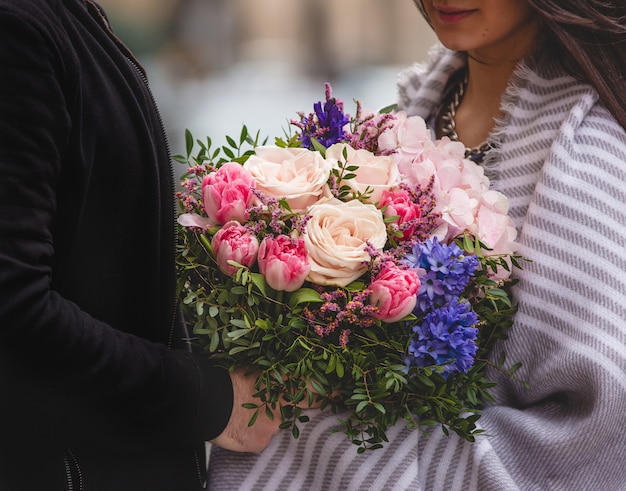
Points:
(399, 204)
(227, 193)
(284, 262)
(339, 236)
(298, 175)
(234, 242)
(394, 292)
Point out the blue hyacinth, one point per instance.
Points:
(326, 125)
(446, 337)
(447, 272)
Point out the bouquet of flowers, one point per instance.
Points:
(356, 264)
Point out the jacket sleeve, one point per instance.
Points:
(64, 370)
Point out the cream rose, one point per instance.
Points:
(298, 175)
(375, 172)
(336, 238)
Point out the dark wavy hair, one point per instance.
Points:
(588, 37)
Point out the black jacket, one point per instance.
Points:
(88, 337)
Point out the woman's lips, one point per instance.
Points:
(450, 16)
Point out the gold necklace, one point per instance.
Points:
(448, 124)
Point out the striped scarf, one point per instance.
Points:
(561, 159)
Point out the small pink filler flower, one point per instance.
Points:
(394, 292)
(284, 262)
(227, 193)
(233, 242)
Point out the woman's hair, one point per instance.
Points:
(589, 38)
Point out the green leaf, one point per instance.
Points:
(361, 406)
(468, 244)
(188, 142)
(379, 407)
(339, 368)
(215, 340)
(317, 387)
(237, 334)
(200, 309)
(241, 323)
(515, 368)
(240, 349)
(331, 364)
(239, 290)
(259, 281)
(426, 381)
(319, 147)
(206, 243)
(253, 418)
(244, 135)
(358, 397)
(181, 159)
(229, 153)
(388, 109)
(231, 142)
(304, 295)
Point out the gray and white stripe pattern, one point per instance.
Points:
(561, 160)
(319, 460)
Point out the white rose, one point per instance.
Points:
(376, 172)
(336, 238)
(298, 175)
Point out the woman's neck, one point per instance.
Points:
(480, 106)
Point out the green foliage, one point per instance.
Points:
(240, 321)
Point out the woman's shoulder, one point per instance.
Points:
(421, 86)
(586, 122)
(544, 99)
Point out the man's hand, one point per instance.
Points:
(237, 435)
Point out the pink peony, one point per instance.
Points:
(227, 193)
(399, 203)
(195, 220)
(394, 292)
(284, 262)
(234, 242)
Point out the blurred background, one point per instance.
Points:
(217, 64)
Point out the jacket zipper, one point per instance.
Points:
(69, 474)
(201, 475)
(135, 64)
(172, 193)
